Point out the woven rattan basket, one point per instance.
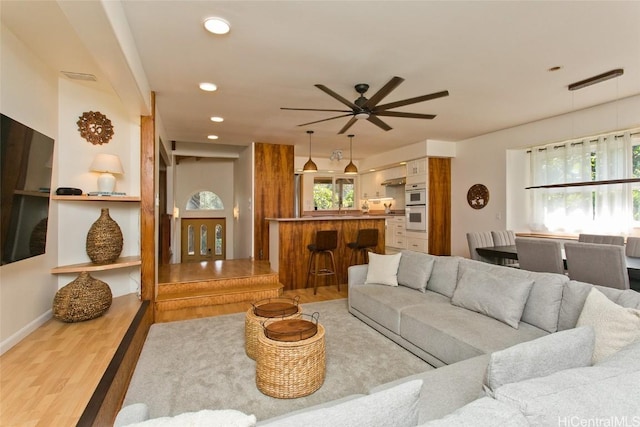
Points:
(104, 239)
(291, 369)
(253, 323)
(83, 299)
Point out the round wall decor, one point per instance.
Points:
(478, 196)
(95, 127)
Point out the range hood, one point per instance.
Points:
(394, 181)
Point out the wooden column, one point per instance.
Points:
(273, 197)
(439, 206)
(147, 204)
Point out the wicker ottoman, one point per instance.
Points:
(290, 369)
(253, 323)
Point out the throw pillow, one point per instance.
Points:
(396, 406)
(615, 326)
(415, 269)
(502, 298)
(383, 269)
(206, 417)
(540, 357)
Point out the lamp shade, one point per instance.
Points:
(310, 166)
(351, 169)
(107, 165)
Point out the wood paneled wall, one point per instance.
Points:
(273, 196)
(439, 206)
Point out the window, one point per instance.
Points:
(567, 203)
(333, 193)
(205, 200)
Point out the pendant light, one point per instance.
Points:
(351, 169)
(310, 167)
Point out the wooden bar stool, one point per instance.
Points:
(366, 240)
(326, 242)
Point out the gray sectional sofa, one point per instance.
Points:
(512, 348)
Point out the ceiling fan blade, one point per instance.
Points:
(376, 121)
(338, 97)
(348, 125)
(383, 92)
(315, 109)
(405, 115)
(411, 101)
(324, 120)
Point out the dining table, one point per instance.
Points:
(499, 253)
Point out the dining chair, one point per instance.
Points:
(505, 238)
(598, 264)
(543, 255)
(479, 239)
(601, 238)
(632, 248)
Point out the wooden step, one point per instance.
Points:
(203, 285)
(215, 296)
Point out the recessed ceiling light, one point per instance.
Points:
(217, 119)
(208, 87)
(217, 25)
(212, 136)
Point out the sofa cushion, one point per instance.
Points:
(444, 276)
(615, 326)
(384, 304)
(383, 269)
(415, 269)
(484, 412)
(206, 417)
(502, 298)
(606, 391)
(543, 305)
(452, 333)
(543, 356)
(397, 405)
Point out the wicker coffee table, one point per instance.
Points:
(282, 308)
(287, 369)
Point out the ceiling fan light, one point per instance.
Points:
(362, 115)
(351, 169)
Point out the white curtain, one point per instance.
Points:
(593, 209)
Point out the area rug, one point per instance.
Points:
(201, 364)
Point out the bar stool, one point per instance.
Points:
(366, 240)
(326, 242)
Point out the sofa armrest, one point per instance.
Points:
(357, 274)
(132, 414)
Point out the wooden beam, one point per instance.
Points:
(147, 204)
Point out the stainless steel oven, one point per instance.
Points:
(416, 217)
(415, 194)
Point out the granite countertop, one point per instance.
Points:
(331, 218)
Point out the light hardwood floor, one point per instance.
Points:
(49, 377)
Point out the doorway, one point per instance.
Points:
(203, 239)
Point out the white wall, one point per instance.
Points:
(29, 95)
(206, 174)
(488, 160)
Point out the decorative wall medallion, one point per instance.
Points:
(95, 127)
(478, 196)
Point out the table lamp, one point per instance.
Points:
(107, 165)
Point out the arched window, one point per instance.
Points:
(205, 200)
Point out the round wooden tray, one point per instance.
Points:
(275, 309)
(290, 330)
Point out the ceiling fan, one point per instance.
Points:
(363, 108)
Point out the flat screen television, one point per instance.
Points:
(25, 184)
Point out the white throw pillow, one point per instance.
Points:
(615, 326)
(383, 269)
(502, 298)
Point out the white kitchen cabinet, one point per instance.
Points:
(396, 230)
(417, 241)
(370, 183)
(417, 167)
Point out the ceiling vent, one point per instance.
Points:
(79, 76)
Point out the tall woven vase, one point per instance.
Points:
(104, 240)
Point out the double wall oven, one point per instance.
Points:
(416, 207)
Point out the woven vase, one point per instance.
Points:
(83, 299)
(104, 240)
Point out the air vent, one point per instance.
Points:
(79, 76)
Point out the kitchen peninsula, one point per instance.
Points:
(289, 237)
